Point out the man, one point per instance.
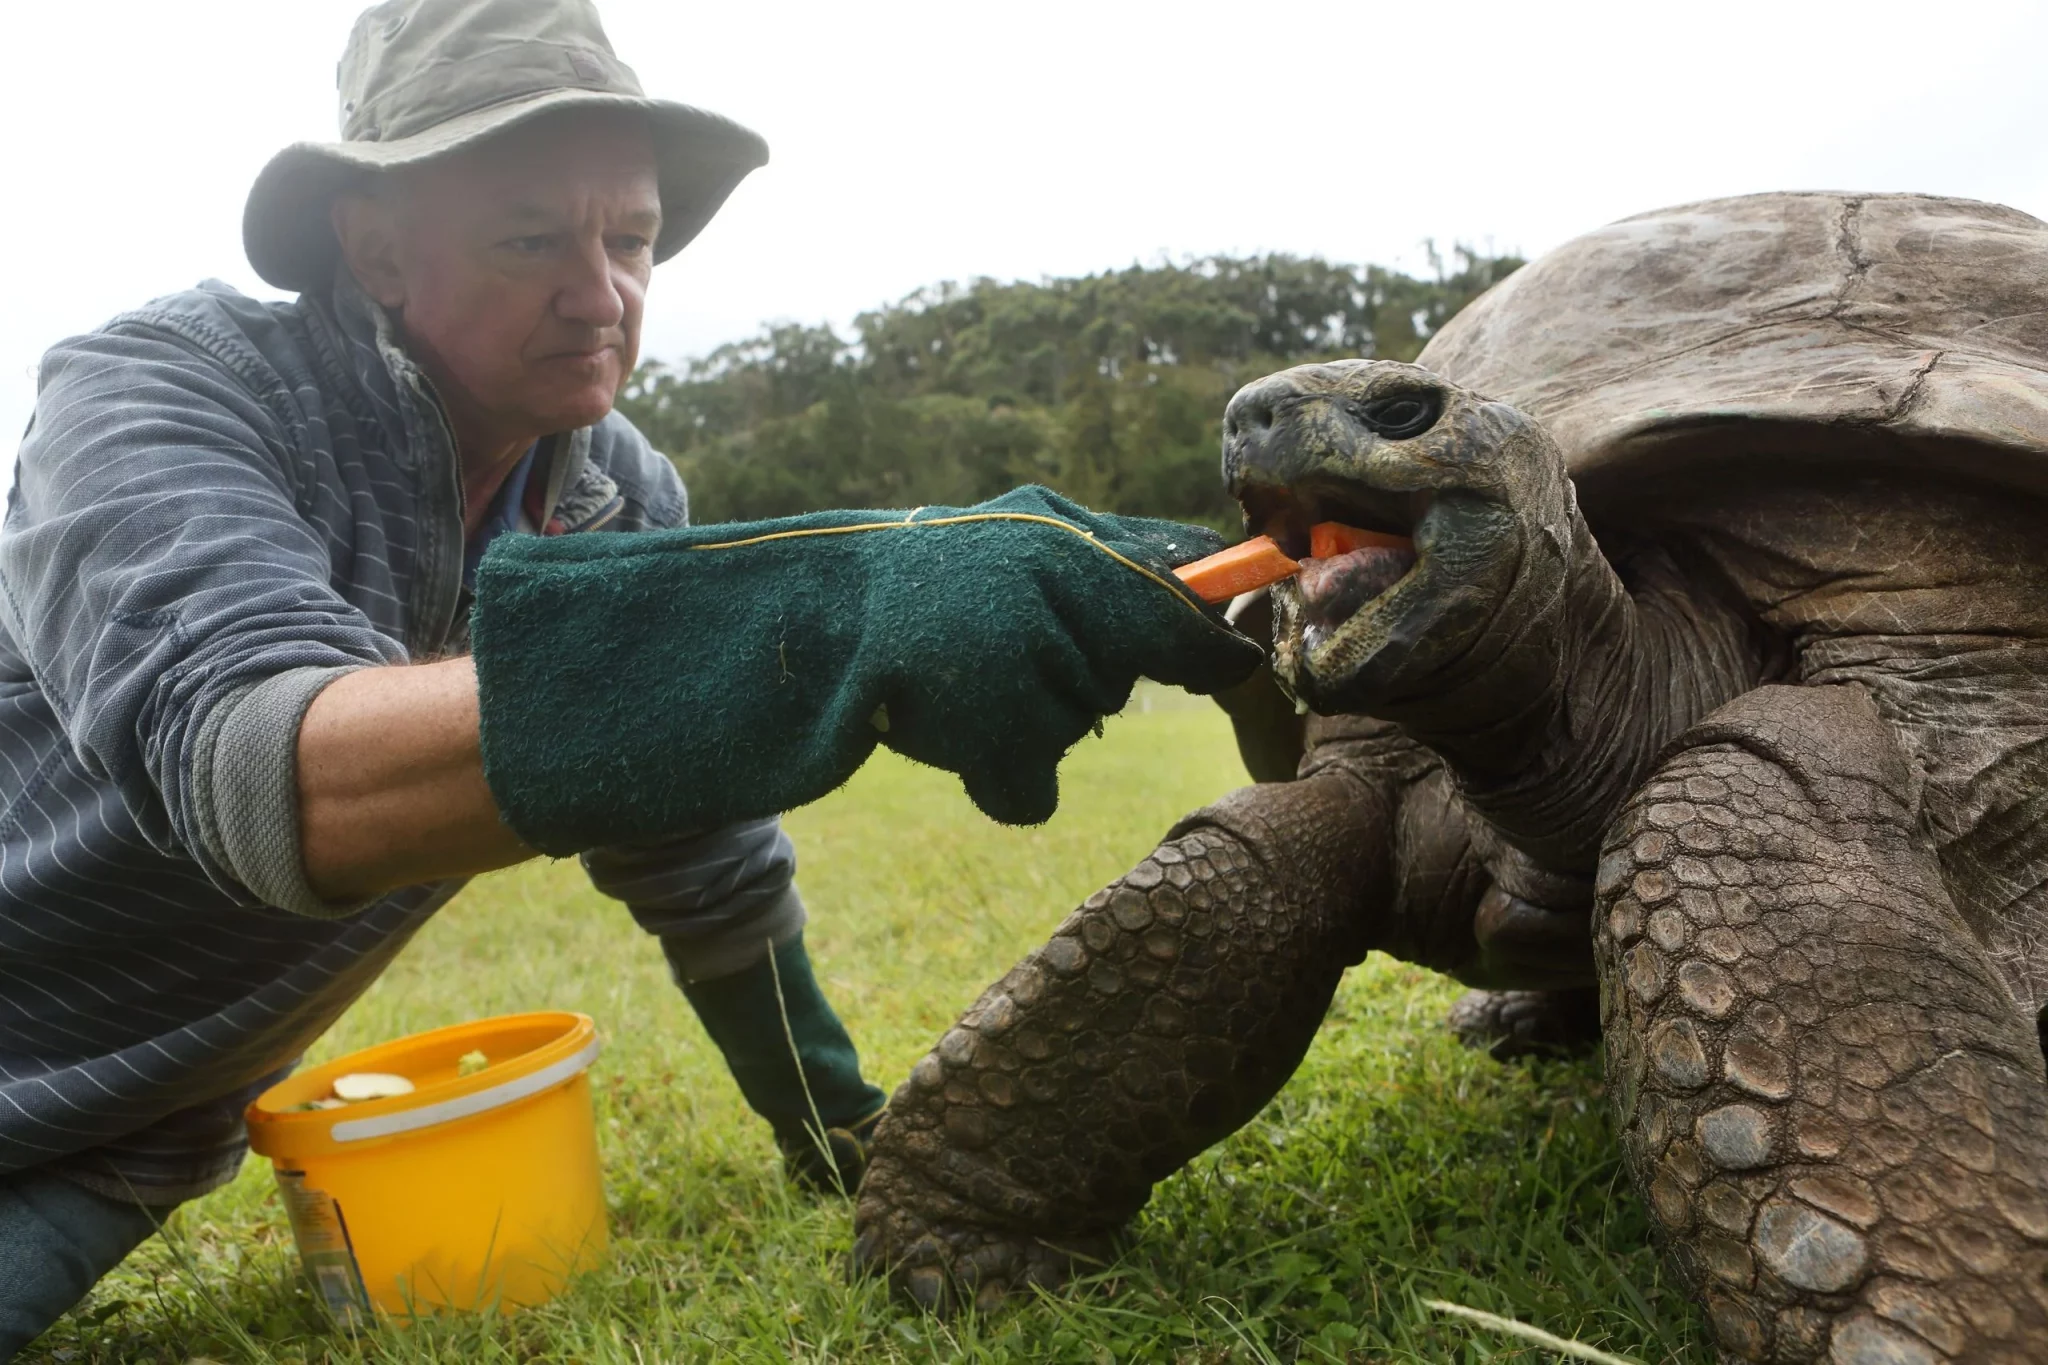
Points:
(245, 752)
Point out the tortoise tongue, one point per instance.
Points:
(1333, 589)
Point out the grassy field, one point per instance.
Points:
(1394, 1168)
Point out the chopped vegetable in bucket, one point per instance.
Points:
(370, 1085)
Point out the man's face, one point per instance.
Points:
(518, 268)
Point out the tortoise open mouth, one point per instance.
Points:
(1337, 583)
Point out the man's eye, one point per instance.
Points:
(534, 245)
(630, 244)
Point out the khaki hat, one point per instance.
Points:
(422, 78)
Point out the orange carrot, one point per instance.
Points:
(1259, 562)
(1241, 568)
(1328, 539)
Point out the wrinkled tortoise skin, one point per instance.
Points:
(1712, 715)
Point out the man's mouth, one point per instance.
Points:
(1355, 545)
(592, 351)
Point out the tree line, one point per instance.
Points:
(1109, 387)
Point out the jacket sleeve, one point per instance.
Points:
(172, 602)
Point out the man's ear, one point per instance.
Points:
(366, 225)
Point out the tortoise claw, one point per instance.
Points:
(949, 1263)
(925, 1287)
(1511, 1024)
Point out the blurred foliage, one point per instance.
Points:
(1109, 388)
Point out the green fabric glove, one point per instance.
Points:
(637, 686)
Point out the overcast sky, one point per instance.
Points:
(913, 143)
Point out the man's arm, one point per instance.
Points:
(391, 783)
(173, 600)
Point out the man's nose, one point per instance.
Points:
(592, 295)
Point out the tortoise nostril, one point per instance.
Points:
(1252, 411)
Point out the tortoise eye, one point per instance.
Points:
(1401, 415)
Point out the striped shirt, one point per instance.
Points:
(221, 505)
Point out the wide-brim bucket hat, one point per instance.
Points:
(423, 78)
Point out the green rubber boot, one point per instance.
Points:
(795, 1065)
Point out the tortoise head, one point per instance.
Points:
(1476, 485)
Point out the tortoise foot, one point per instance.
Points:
(1510, 1024)
(944, 1266)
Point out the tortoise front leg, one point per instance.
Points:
(1162, 1016)
(1834, 1106)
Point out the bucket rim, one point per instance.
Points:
(284, 1134)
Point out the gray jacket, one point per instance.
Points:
(220, 506)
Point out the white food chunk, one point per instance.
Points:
(370, 1085)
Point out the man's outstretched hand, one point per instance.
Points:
(635, 686)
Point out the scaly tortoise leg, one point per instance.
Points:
(1830, 1098)
(1162, 1016)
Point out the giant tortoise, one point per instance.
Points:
(1717, 679)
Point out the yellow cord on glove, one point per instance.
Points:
(910, 521)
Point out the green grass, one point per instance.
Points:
(1394, 1168)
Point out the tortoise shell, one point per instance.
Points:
(1889, 327)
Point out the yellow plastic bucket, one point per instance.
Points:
(473, 1192)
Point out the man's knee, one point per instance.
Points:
(57, 1239)
(735, 938)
